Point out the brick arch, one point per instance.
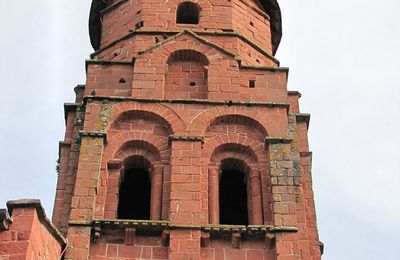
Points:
(150, 68)
(186, 75)
(234, 151)
(137, 148)
(161, 55)
(161, 112)
(233, 163)
(205, 5)
(254, 148)
(203, 121)
(117, 143)
(187, 54)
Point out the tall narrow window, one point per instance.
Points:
(134, 195)
(233, 198)
(188, 13)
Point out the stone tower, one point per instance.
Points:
(185, 142)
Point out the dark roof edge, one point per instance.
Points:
(35, 203)
(271, 6)
(274, 11)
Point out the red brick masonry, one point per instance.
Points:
(185, 102)
(27, 233)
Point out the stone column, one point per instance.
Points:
(156, 192)
(213, 200)
(112, 194)
(256, 201)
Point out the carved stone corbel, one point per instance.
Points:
(269, 241)
(205, 239)
(130, 236)
(236, 240)
(97, 233)
(165, 237)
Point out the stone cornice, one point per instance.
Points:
(62, 144)
(303, 117)
(294, 93)
(187, 101)
(158, 224)
(94, 134)
(186, 138)
(278, 140)
(199, 33)
(69, 107)
(265, 68)
(107, 62)
(195, 36)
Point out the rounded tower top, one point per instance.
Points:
(271, 7)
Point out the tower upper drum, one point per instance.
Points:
(259, 21)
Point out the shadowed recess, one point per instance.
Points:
(134, 195)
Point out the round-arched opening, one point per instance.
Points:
(186, 76)
(135, 189)
(188, 13)
(233, 193)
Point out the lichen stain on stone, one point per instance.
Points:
(105, 116)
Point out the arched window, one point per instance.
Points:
(134, 195)
(235, 196)
(188, 13)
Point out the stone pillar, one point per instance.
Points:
(256, 198)
(185, 203)
(112, 193)
(84, 199)
(156, 192)
(213, 180)
(284, 173)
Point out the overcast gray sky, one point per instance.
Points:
(343, 57)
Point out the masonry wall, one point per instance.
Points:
(244, 16)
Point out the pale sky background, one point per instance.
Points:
(343, 57)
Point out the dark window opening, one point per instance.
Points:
(252, 83)
(233, 198)
(134, 195)
(251, 23)
(188, 13)
(122, 81)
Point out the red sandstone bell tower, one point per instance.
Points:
(185, 142)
